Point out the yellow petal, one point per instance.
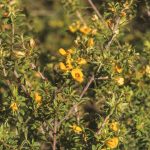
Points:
(112, 143)
(62, 66)
(62, 52)
(90, 42)
(77, 75)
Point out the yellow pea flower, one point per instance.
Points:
(81, 61)
(112, 143)
(76, 129)
(90, 42)
(62, 66)
(14, 106)
(77, 75)
(66, 67)
(85, 30)
(74, 27)
(120, 80)
(118, 69)
(114, 126)
(62, 52)
(38, 98)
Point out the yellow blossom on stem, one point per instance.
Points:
(76, 129)
(14, 106)
(77, 75)
(90, 42)
(112, 143)
(81, 61)
(85, 30)
(114, 126)
(120, 80)
(38, 98)
(69, 62)
(118, 69)
(62, 52)
(62, 66)
(74, 27)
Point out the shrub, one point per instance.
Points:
(90, 94)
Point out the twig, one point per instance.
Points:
(97, 12)
(13, 34)
(103, 21)
(40, 73)
(114, 31)
(80, 17)
(54, 134)
(103, 124)
(70, 112)
(87, 86)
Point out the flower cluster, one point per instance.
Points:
(72, 64)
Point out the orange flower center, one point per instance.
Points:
(77, 75)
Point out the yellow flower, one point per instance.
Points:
(69, 66)
(14, 106)
(74, 27)
(77, 75)
(90, 42)
(62, 66)
(94, 18)
(114, 126)
(85, 30)
(66, 67)
(76, 129)
(81, 61)
(38, 98)
(62, 52)
(112, 143)
(68, 62)
(120, 80)
(118, 69)
(70, 51)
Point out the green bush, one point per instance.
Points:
(77, 78)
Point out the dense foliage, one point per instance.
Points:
(74, 75)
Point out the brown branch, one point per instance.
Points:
(80, 17)
(103, 21)
(104, 122)
(97, 12)
(114, 32)
(72, 109)
(87, 86)
(54, 134)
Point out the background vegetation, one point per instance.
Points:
(74, 74)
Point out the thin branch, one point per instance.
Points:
(54, 134)
(114, 31)
(87, 86)
(72, 109)
(97, 12)
(80, 17)
(104, 122)
(103, 21)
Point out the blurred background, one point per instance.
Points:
(49, 20)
